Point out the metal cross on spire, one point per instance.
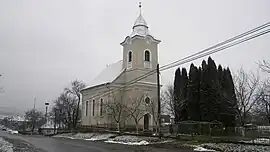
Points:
(140, 6)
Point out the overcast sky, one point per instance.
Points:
(44, 45)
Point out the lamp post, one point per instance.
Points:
(46, 105)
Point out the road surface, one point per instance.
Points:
(49, 144)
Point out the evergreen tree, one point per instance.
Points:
(213, 93)
(176, 101)
(193, 93)
(203, 92)
(183, 95)
(229, 117)
(209, 97)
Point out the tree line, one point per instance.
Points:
(211, 93)
(206, 93)
(65, 111)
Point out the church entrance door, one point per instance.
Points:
(146, 121)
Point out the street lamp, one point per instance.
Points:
(46, 105)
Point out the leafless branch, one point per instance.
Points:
(247, 90)
(264, 66)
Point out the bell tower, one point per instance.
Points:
(140, 49)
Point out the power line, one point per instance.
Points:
(224, 42)
(200, 55)
(221, 48)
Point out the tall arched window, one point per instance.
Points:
(93, 108)
(129, 56)
(101, 106)
(147, 56)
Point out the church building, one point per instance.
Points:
(117, 83)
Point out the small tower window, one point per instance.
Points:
(129, 56)
(147, 56)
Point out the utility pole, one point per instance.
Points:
(158, 97)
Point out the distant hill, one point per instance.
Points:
(10, 111)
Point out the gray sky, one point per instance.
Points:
(44, 45)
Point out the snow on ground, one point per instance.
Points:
(143, 142)
(101, 137)
(65, 135)
(113, 138)
(12, 131)
(83, 135)
(259, 141)
(202, 149)
(86, 136)
(229, 147)
(136, 140)
(5, 146)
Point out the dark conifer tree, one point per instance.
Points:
(213, 93)
(177, 89)
(193, 93)
(203, 92)
(229, 97)
(183, 95)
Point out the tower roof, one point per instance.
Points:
(140, 28)
(140, 21)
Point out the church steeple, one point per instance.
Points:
(139, 29)
(140, 26)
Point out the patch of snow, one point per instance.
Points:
(143, 142)
(202, 149)
(12, 131)
(101, 137)
(18, 118)
(229, 147)
(136, 140)
(64, 135)
(5, 146)
(108, 75)
(259, 141)
(83, 135)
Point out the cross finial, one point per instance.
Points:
(140, 6)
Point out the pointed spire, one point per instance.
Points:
(140, 27)
(140, 20)
(140, 6)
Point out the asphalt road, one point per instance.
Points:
(49, 144)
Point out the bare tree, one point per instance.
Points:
(76, 87)
(264, 66)
(246, 89)
(263, 104)
(137, 109)
(116, 109)
(65, 109)
(154, 111)
(35, 117)
(167, 98)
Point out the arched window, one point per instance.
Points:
(86, 108)
(101, 106)
(147, 100)
(93, 108)
(129, 56)
(147, 56)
